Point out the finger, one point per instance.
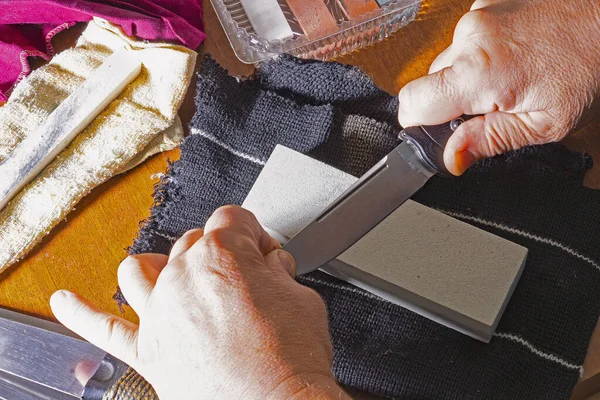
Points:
(479, 4)
(185, 242)
(281, 260)
(465, 87)
(443, 60)
(106, 331)
(241, 222)
(137, 277)
(486, 136)
(430, 100)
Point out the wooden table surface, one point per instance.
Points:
(82, 253)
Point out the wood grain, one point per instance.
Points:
(83, 252)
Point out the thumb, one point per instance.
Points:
(281, 260)
(486, 136)
(436, 91)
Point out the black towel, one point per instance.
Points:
(534, 197)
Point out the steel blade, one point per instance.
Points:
(13, 387)
(365, 204)
(45, 354)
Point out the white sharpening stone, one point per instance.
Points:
(440, 267)
(267, 19)
(72, 116)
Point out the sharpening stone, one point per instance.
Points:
(435, 265)
(357, 8)
(72, 116)
(267, 19)
(314, 17)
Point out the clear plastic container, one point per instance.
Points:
(319, 29)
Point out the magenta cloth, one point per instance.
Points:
(27, 27)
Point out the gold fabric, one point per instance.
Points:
(140, 122)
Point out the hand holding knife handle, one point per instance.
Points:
(430, 141)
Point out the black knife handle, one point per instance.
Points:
(115, 380)
(430, 142)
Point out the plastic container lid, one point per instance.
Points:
(319, 29)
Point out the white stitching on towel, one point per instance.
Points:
(538, 352)
(509, 336)
(528, 235)
(163, 235)
(227, 147)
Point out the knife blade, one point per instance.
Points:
(43, 360)
(380, 191)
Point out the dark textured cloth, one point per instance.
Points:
(534, 197)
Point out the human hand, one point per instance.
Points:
(221, 317)
(532, 67)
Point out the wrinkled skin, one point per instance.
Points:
(220, 318)
(531, 67)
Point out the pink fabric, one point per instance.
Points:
(27, 27)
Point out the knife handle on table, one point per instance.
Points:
(430, 142)
(115, 380)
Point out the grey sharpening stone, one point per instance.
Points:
(71, 117)
(440, 267)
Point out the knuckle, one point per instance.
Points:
(221, 253)
(472, 22)
(176, 274)
(230, 237)
(474, 66)
(477, 4)
(188, 238)
(481, 4)
(482, 72)
(186, 241)
(235, 219)
(481, 60)
(505, 100)
(228, 214)
(128, 265)
(221, 258)
(217, 241)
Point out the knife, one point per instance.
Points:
(381, 190)
(43, 360)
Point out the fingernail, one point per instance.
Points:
(463, 160)
(287, 262)
(60, 295)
